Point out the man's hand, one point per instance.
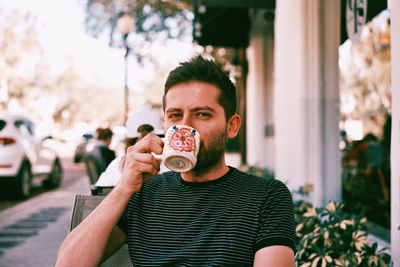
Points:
(140, 164)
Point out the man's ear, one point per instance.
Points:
(233, 126)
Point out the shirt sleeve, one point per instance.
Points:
(123, 221)
(133, 203)
(277, 224)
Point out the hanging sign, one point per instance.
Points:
(356, 18)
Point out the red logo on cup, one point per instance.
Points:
(183, 140)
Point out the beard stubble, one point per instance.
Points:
(209, 158)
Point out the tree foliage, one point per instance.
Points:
(20, 52)
(27, 82)
(154, 20)
(365, 77)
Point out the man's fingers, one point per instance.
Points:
(150, 143)
(146, 168)
(139, 163)
(137, 159)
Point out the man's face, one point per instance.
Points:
(196, 104)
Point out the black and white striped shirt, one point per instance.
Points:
(223, 222)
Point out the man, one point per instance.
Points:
(213, 215)
(99, 154)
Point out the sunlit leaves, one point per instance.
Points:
(310, 213)
(365, 74)
(21, 58)
(19, 45)
(155, 20)
(328, 236)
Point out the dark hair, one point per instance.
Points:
(199, 69)
(145, 128)
(104, 133)
(370, 137)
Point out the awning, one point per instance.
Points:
(238, 3)
(225, 23)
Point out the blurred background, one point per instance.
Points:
(313, 80)
(59, 64)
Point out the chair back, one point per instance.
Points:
(83, 206)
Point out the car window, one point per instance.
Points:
(2, 124)
(31, 127)
(23, 127)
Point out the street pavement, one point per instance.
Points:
(31, 232)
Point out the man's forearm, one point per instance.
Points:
(85, 245)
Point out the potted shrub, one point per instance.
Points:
(329, 236)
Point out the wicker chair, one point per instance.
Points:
(83, 206)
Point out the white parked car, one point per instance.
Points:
(25, 157)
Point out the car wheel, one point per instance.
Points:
(55, 177)
(24, 181)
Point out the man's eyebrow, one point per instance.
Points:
(195, 109)
(203, 108)
(173, 110)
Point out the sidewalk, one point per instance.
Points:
(31, 232)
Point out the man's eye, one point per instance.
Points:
(174, 115)
(203, 114)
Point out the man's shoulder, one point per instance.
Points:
(258, 181)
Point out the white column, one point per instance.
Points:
(289, 128)
(306, 96)
(331, 167)
(260, 55)
(395, 141)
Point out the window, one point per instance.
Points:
(365, 122)
(24, 127)
(2, 124)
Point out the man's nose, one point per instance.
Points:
(186, 120)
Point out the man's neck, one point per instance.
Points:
(206, 176)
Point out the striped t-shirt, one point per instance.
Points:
(223, 222)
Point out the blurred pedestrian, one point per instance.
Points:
(99, 154)
(104, 137)
(141, 123)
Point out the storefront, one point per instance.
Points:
(293, 97)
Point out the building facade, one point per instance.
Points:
(291, 86)
(293, 100)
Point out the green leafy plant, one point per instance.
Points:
(329, 236)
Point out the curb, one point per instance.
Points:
(63, 197)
